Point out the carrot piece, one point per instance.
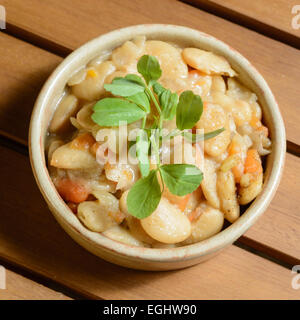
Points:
(92, 73)
(83, 141)
(252, 162)
(238, 170)
(180, 202)
(94, 148)
(257, 125)
(72, 191)
(255, 122)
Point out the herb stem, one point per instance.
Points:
(162, 180)
(155, 149)
(144, 122)
(153, 99)
(160, 122)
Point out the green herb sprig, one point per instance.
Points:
(132, 103)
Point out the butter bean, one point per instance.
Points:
(167, 224)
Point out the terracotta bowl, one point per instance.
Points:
(148, 258)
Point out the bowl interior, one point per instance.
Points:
(247, 74)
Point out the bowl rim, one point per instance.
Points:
(62, 213)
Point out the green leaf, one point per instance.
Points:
(158, 88)
(168, 101)
(154, 139)
(142, 100)
(142, 148)
(124, 87)
(144, 197)
(135, 78)
(193, 137)
(108, 112)
(181, 179)
(189, 110)
(132, 149)
(149, 68)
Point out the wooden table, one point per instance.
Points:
(41, 261)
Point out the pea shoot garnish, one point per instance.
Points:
(134, 96)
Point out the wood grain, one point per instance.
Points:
(30, 237)
(71, 23)
(21, 288)
(23, 70)
(272, 18)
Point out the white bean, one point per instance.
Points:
(237, 91)
(193, 202)
(52, 147)
(124, 174)
(125, 57)
(167, 224)
(209, 183)
(139, 41)
(110, 203)
(120, 234)
(240, 110)
(214, 118)
(84, 117)
(103, 184)
(66, 109)
(200, 84)
(66, 157)
(169, 57)
(99, 59)
(137, 230)
(123, 202)
(227, 193)
(218, 84)
(107, 200)
(115, 74)
(91, 88)
(247, 194)
(78, 77)
(209, 223)
(207, 62)
(95, 216)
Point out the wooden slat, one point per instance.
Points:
(71, 23)
(23, 70)
(29, 236)
(287, 218)
(279, 227)
(21, 288)
(272, 18)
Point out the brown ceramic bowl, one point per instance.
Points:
(148, 258)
